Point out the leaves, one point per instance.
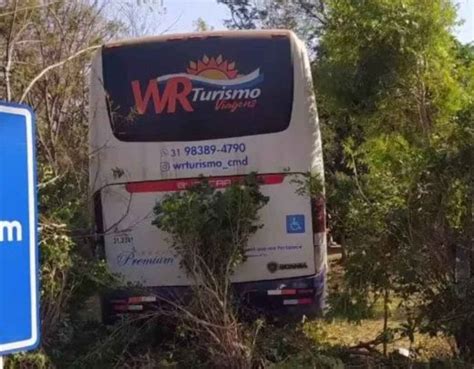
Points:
(211, 227)
(395, 87)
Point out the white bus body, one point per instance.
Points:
(165, 110)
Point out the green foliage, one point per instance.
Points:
(394, 76)
(305, 17)
(350, 303)
(210, 228)
(37, 360)
(290, 346)
(309, 185)
(200, 25)
(34, 36)
(396, 93)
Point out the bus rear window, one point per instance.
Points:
(199, 89)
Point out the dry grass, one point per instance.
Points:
(339, 332)
(343, 333)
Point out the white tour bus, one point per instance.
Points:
(166, 110)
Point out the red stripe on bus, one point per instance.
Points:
(182, 184)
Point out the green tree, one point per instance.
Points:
(44, 51)
(305, 17)
(394, 91)
(209, 230)
(200, 25)
(395, 74)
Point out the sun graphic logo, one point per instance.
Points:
(217, 80)
(208, 80)
(213, 68)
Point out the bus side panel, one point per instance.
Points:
(317, 163)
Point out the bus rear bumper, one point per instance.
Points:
(286, 297)
(292, 297)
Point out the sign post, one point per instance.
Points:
(19, 297)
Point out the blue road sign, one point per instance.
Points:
(19, 322)
(295, 223)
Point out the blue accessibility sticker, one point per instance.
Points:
(295, 223)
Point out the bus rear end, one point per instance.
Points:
(165, 111)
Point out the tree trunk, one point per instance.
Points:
(386, 297)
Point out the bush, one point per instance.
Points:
(209, 231)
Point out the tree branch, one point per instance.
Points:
(52, 66)
(9, 52)
(27, 8)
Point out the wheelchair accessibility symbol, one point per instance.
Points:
(295, 223)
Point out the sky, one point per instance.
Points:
(466, 11)
(180, 16)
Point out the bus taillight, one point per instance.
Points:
(318, 210)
